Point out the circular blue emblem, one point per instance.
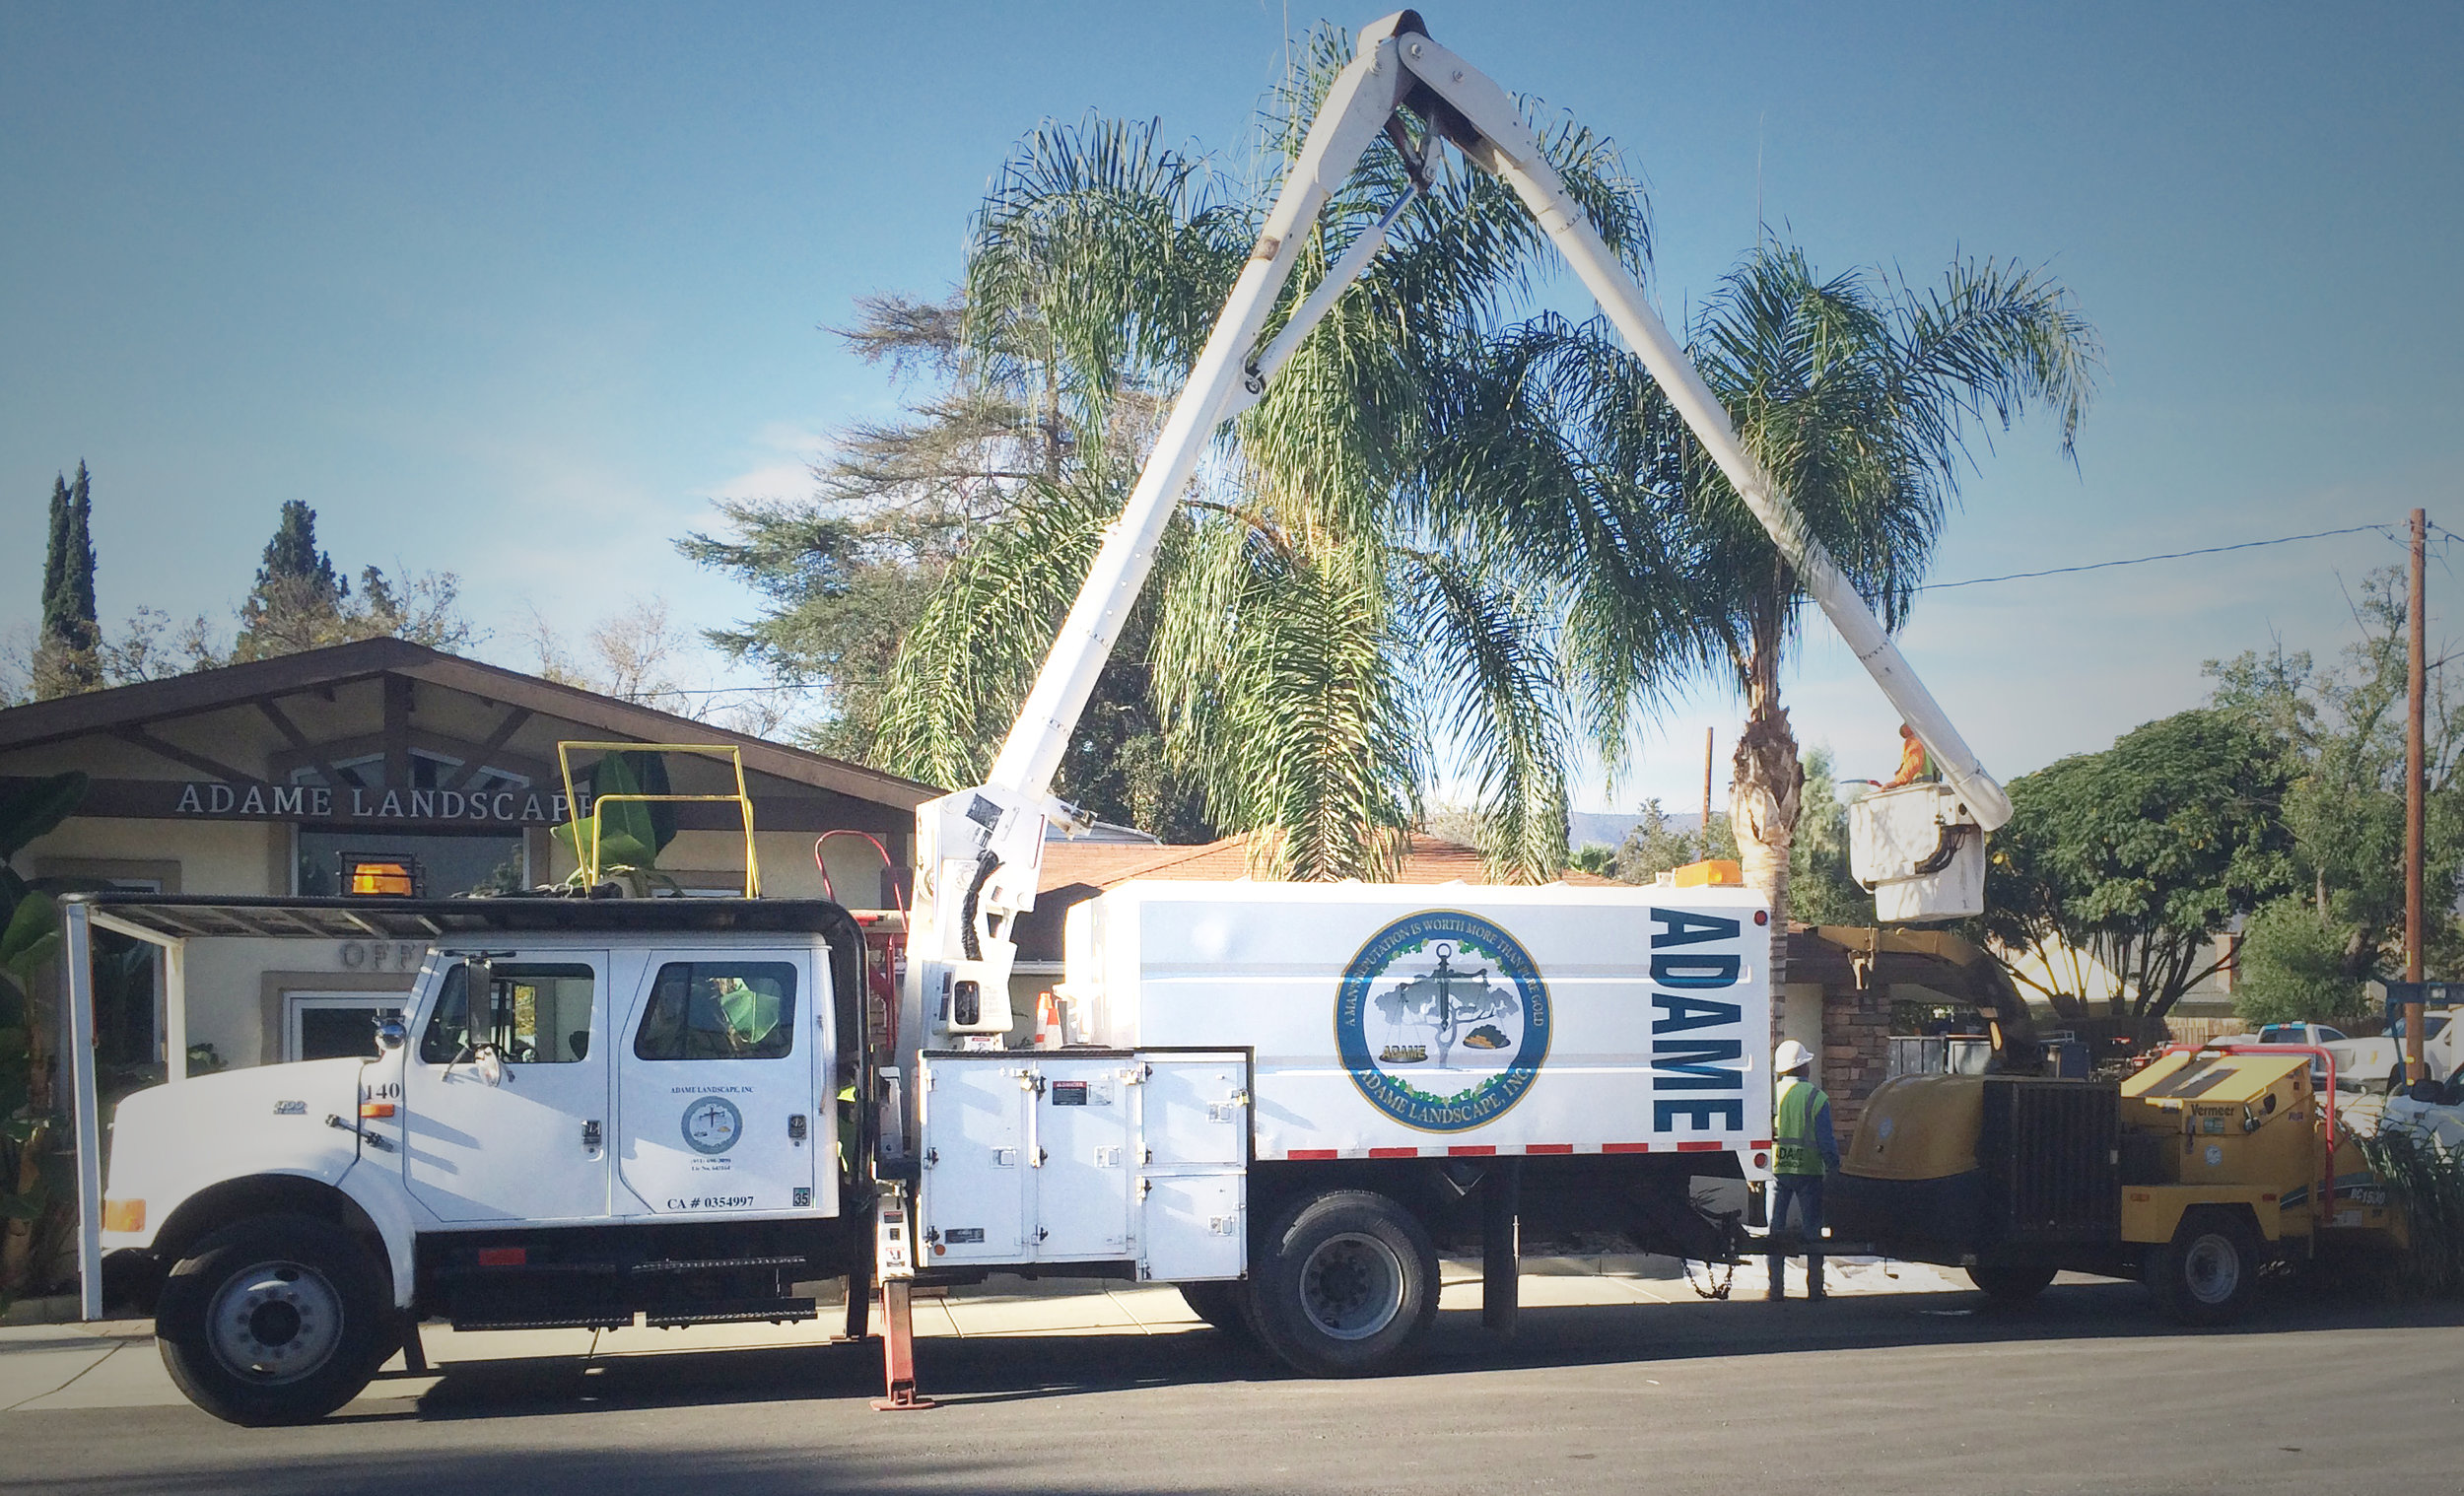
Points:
(1442, 1021)
(712, 1124)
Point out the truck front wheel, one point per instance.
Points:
(278, 1320)
(1346, 1285)
(2210, 1271)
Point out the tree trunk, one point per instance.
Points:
(1762, 810)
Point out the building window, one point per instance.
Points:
(435, 866)
(429, 771)
(335, 1025)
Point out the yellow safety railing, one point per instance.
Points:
(742, 799)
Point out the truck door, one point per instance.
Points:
(504, 1100)
(718, 1098)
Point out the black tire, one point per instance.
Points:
(251, 1297)
(1346, 1285)
(2208, 1272)
(2011, 1282)
(1220, 1304)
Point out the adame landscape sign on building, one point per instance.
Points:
(257, 800)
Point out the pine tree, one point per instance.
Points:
(298, 600)
(65, 657)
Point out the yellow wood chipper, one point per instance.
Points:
(2191, 1174)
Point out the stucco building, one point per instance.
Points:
(384, 767)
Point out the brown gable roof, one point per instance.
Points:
(201, 690)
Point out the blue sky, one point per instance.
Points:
(514, 290)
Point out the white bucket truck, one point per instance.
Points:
(593, 1110)
(1288, 1094)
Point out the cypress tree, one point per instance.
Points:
(65, 656)
(55, 562)
(292, 555)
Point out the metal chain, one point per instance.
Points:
(1718, 1290)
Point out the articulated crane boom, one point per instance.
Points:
(979, 850)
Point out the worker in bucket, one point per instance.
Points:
(1803, 1151)
(1914, 762)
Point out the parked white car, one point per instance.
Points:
(2377, 1063)
(2440, 1121)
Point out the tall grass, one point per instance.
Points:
(2426, 1184)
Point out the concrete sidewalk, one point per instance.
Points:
(112, 1364)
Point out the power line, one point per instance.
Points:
(2212, 550)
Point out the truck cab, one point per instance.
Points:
(588, 1112)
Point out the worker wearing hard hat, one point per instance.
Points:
(1803, 1151)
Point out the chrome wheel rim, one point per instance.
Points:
(2212, 1269)
(275, 1322)
(1351, 1286)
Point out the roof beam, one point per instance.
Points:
(316, 757)
(181, 755)
(514, 717)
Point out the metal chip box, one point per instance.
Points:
(1085, 1156)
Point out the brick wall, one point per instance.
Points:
(1856, 1051)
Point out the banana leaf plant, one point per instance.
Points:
(33, 1174)
(630, 834)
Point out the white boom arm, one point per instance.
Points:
(979, 851)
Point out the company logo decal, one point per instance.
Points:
(1442, 1021)
(712, 1124)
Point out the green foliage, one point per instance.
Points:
(2291, 968)
(65, 653)
(1856, 393)
(2341, 732)
(2426, 1184)
(301, 601)
(1655, 847)
(2142, 854)
(1321, 622)
(629, 835)
(37, 806)
(1821, 889)
(1597, 861)
(33, 1174)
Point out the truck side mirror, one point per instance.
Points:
(392, 1032)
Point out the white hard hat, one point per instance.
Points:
(1791, 1055)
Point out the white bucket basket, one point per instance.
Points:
(1921, 852)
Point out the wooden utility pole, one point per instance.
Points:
(1707, 738)
(2415, 676)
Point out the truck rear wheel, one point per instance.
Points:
(278, 1320)
(2210, 1271)
(1346, 1285)
(2011, 1282)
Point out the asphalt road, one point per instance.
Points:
(2084, 1390)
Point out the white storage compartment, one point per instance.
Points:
(1082, 1160)
(975, 1198)
(1084, 1156)
(1191, 1226)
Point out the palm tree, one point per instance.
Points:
(1324, 621)
(1856, 393)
